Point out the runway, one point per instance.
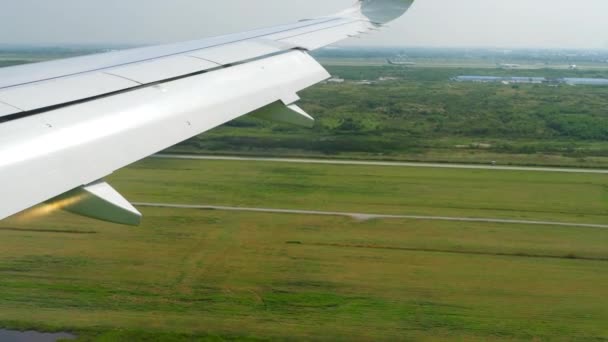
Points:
(383, 163)
(367, 216)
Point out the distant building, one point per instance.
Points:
(533, 80)
(479, 79)
(504, 80)
(585, 81)
(400, 62)
(530, 80)
(508, 66)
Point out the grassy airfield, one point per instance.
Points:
(197, 275)
(371, 189)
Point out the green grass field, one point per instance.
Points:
(371, 189)
(197, 275)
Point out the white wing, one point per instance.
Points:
(64, 125)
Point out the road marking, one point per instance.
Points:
(364, 216)
(382, 163)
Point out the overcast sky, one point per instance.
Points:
(465, 23)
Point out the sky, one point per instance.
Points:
(445, 23)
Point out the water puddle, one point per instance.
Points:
(32, 336)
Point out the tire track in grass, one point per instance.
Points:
(453, 251)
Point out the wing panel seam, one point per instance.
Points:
(202, 59)
(322, 29)
(123, 77)
(12, 106)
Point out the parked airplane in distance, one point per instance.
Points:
(393, 62)
(508, 66)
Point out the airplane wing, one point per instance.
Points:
(67, 124)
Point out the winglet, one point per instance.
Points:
(379, 12)
(100, 201)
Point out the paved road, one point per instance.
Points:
(363, 216)
(382, 163)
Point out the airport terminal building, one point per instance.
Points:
(532, 80)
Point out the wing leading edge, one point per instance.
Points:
(69, 123)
